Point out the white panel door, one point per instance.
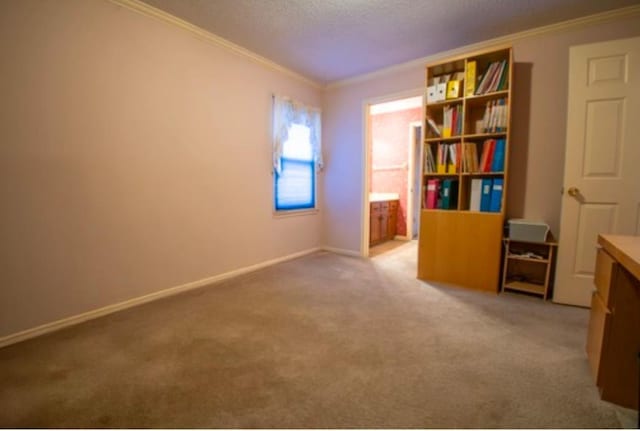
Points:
(602, 160)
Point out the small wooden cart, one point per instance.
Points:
(528, 266)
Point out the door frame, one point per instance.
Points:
(366, 159)
(412, 174)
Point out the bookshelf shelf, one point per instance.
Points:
(482, 174)
(467, 97)
(449, 139)
(435, 174)
(485, 135)
(483, 98)
(528, 259)
(478, 213)
(444, 102)
(524, 286)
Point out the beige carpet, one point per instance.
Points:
(322, 341)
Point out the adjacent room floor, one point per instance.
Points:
(321, 341)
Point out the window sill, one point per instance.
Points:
(295, 213)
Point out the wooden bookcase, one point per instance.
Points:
(460, 239)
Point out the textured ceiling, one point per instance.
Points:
(330, 40)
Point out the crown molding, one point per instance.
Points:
(150, 11)
(502, 40)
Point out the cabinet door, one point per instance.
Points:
(384, 223)
(598, 322)
(393, 219)
(462, 248)
(374, 224)
(618, 374)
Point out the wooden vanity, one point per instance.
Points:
(613, 339)
(383, 217)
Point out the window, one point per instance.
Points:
(296, 155)
(295, 184)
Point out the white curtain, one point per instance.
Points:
(287, 112)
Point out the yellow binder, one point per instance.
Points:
(471, 78)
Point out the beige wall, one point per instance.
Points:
(134, 157)
(538, 133)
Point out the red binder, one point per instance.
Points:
(432, 193)
(491, 145)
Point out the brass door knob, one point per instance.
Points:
(573, 191)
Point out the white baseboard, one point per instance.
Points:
(342, 251)
(103, 311)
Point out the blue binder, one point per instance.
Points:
(449, 194)
(498, 156)
(496, 195)
(446, 194)
(485, 198)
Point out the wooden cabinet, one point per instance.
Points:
(383, 218)
(613, 337)
(456, 260)
(466, 152)
(527, 266)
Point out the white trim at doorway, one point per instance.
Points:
(366, 160)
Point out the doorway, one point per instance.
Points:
(392, 175)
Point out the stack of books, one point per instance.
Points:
(495, 78)
(491, 157)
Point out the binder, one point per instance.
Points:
(473, 154)
(441, 159)
(490, 144)
(485, 197)
(431, 94)
(498, 156)
(452, 161)
(466, 160)
(441, 91)
(487, 156)
(502, 116)
(470, 79)
(454, 121)
(504, 79)
(496, 195)
(446, 193)
(486, 118)
(493, 86)
(493, 118)
(483, 156)
(446, 121)
(449, 194)
(472, 157)
(476, 192)
(432, 193)
(453, 89)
